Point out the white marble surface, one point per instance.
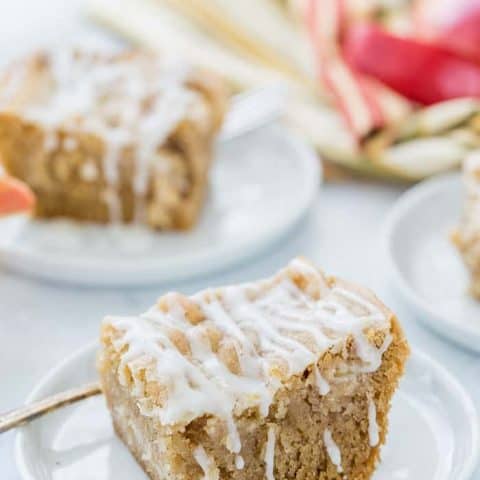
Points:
(42, 323)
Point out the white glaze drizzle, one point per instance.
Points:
(373, 431)
(270, 323)
(332, 450)
(210, 470)
(270, 453)
(133, 102)
(239, 462)
(322, 385)
(50, 142)
(70, 144)
(89, 171)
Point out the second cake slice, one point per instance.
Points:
(111, 138)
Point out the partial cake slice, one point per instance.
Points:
(111, 138)
(285, 378)
(467, 235)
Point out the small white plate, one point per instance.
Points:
(433, 430)
(426, 266)
(261, 185)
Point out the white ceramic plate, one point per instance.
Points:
(261, 185)
(433, 430)
(426, 266)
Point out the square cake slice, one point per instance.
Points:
(285, 378)
(467, 235)
(111, 138)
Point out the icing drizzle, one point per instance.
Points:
(270, 453)
(373, 433)
(322, 385)
(332, 450)
(210, 470)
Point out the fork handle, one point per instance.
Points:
(22, 415)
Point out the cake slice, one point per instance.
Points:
(467, 235)
(111, 137)
(285, 378)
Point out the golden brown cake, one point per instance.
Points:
(467, 236)
(111, 138)
(285, 378)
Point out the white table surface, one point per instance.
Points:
(42, 323)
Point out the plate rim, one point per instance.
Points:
(465, 336)
(77, 271)
(442, 375)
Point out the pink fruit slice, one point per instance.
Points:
(15, 196)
